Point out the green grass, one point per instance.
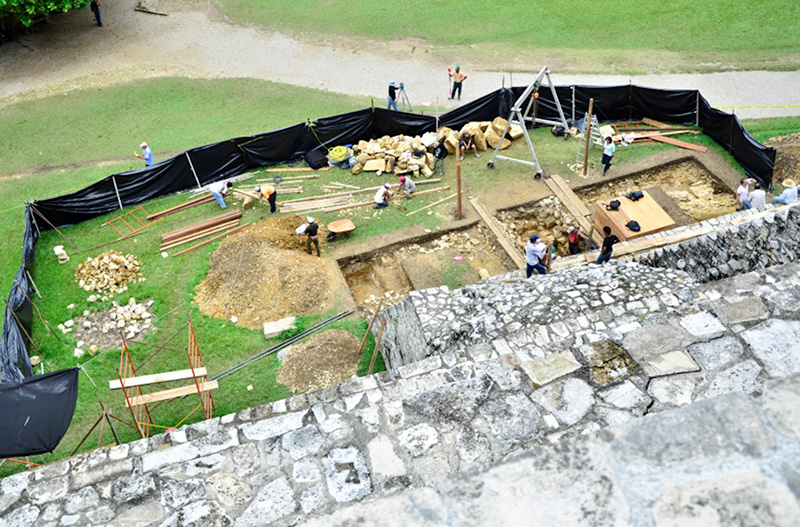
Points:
(170, 114)
(598, 35)
(763, 129)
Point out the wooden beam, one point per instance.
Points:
(364, 204)
(653, 122)
(199, 235)
(288, 179)
(183, 206)
(196, 227)
(166, 376)
(345, 185)
(352, 192)
(682, 144)
(300, 169)
(170, 394)
(215, 238)
(574, 206)
(431, 205)
(505, 243)
(377, 343)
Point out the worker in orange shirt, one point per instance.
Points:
(272, 195)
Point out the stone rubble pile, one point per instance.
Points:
(402, 154)
(108, 272)
(129, 320)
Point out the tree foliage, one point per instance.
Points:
(26, 10)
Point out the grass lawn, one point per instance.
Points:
(578, 34)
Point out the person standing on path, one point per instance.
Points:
(219, 190)
(789, 194)
(312, 237)
(608, 246)
(458, 78)
(95, 7)
(535, 253)
(608, 153)
(392, 102)
(146, 154)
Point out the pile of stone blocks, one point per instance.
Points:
(402, 154)
(110, 271)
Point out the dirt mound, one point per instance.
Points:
(328, 358)
(263, 273)
(787, 160)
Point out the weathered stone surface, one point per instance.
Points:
(302, 442)
(781, 401)
(48, 490)
(81, 500)
(703, 326)
(306, 471)
(22, 517)
(776, 343)
(230, 491)
(418, 439)
(625, 395)
(744, 498)
(512, 418)
(751, 309)
(655, 339)
(100, 515)
(547, 369)
(246, 459)
(149, 512)
(203, 514)
(608, 362)
(383, 459)
(707, 432)
(474, 448)
(11, 488)
(175, 494)
(273, 427)
(669, 363)
(739, 378)
(274, 501)
(312, 499)
(568, 400)
(134, 488)
(715, 354)
(672, 390)
(453, 403)
(346, 474)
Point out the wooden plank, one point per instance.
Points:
(170, 394)
(215, 238)
(505, 243)
(365, 203)
(574, 205)
(197, 227)
(682, 144)
(345, 185)
(653, 122)
(166, 376)
(198, 236)
(183, 206)
(288, 179)
(431, 205)
(300, 169)
(646, 211)
(352, 192)
(568, 192)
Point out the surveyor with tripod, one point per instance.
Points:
(392, 102)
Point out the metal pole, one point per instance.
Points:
(458, 179)
(697, 108)
(437, 114)
(193, 172)
(573, 103)
(588, 136)
(114, 180)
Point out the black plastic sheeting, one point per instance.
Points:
(222, 160)
(36, 412)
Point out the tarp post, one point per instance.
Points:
(630, 99)
(116, 190)
(193, 172)
(697, 108)
(573, 103)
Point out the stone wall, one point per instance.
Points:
(462, 411)
(403, 339)
(742, 242)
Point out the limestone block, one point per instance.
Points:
(383, 459)
(479, 138)
(498, 126)
(781, 401)
(625, 395)
(474, 449)
(175, 494)
(515, 131)
(513, 418)
(346, 474)
(375, 165)
(229, 491)
(669, 363)
(81, 500)
(135, 487)
(203, 513)
(276, 327)
(751, 309)
(274, 501)
(776, 343)
(357, 169)
(48, 490)
(24, 516)
(312, 499)
(418, 439)
(675, 391)
(569, 400)
(452, 404)
(493, 139)
(451, 142)
(739, 378)
(547, 369)
(306, 471)
(303, 442)
(716, 353)
(703, 326)
(273, 427)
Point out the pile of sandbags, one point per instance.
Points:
(110, 271)
(403, 154)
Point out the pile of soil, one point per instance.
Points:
(696, 192)
(328, 358)
(787, 160)
(262, 273)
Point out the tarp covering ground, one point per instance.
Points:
(205, 164)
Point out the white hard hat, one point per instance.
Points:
(309, 219)
(387, 185)
(143, 145)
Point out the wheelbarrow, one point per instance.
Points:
(339, 227)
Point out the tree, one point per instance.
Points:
(26, 10)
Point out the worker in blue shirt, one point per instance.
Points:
(146, 154)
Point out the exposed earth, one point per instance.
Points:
(787, 160)
(327, 358)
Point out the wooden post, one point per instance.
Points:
(588, 136)
(28, 298)
(458, 180)
(369, 327)
(377, 343)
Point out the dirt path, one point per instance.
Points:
(196, 41)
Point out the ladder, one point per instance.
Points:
(126, 228)
(596, 138)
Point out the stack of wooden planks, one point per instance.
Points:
(200, 230)
(338, 199)
(208, 198)
(651, 130)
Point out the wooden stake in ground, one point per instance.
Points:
(588, 137)
(369, 327)
(458, 181)
(19, 324)
(45, 322)
(377, 343)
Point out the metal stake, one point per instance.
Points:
(193, 172)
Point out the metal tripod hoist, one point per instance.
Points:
(521, 118)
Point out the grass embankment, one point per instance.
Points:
(580, 35)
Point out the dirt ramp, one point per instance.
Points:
(263, 273)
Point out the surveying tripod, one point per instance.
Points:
(404, 98)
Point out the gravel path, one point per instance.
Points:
(197, 42)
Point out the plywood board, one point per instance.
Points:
(651, 217)
(166, 376)
(170, 394)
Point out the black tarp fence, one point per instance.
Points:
(209, 163)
